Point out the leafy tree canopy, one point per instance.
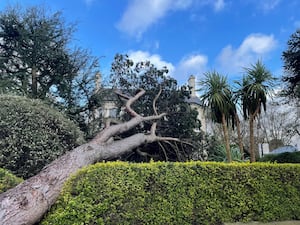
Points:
(181, 119)
(39, 60)
(291, 59)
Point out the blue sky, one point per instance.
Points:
(188, 36)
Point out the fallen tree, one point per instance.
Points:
(26, 203)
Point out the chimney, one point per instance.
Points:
(192, 84)
(98, 81)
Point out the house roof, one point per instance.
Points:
(194, 100)
(108, 94)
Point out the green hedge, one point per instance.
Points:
(8, 180)
(32, 134)
(286, 157)
(179, 193)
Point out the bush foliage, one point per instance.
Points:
(179, 193)
(286, 157)
(32, 134)
(8, 180)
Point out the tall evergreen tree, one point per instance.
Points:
(39, 60)
(35, 52)
(291, 59)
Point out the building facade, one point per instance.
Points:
(195, 102)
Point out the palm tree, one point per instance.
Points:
(255, 87)
(217, 96)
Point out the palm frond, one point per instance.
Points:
(217, 95)
(257, 84)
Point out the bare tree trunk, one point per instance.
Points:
(226, 138)
(240, 140)
(27, 203)
(251, 128)
(252, 149)
(34, 81)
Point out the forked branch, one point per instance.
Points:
(113, 130)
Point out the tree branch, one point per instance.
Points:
(154, 125)
(164, 150)
(132, 100)
(154, 101)
(110, 131)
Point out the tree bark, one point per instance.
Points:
(27, 203)
(34, 85)
(226, 138)
(240, 140)
(251, 127)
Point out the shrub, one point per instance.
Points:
(179, 193)
(286, 157)
(8, 180)
(219, 154)
(32, 134)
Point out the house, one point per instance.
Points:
(109, 109)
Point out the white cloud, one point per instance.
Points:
(254, 47)
(139, 56)
(219, 5)
(191, 65)
(139, 15)
(257, 43)
(195, 64)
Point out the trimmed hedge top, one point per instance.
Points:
(179, 193)
(32, 134)
(8, 180)
(285, 157)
